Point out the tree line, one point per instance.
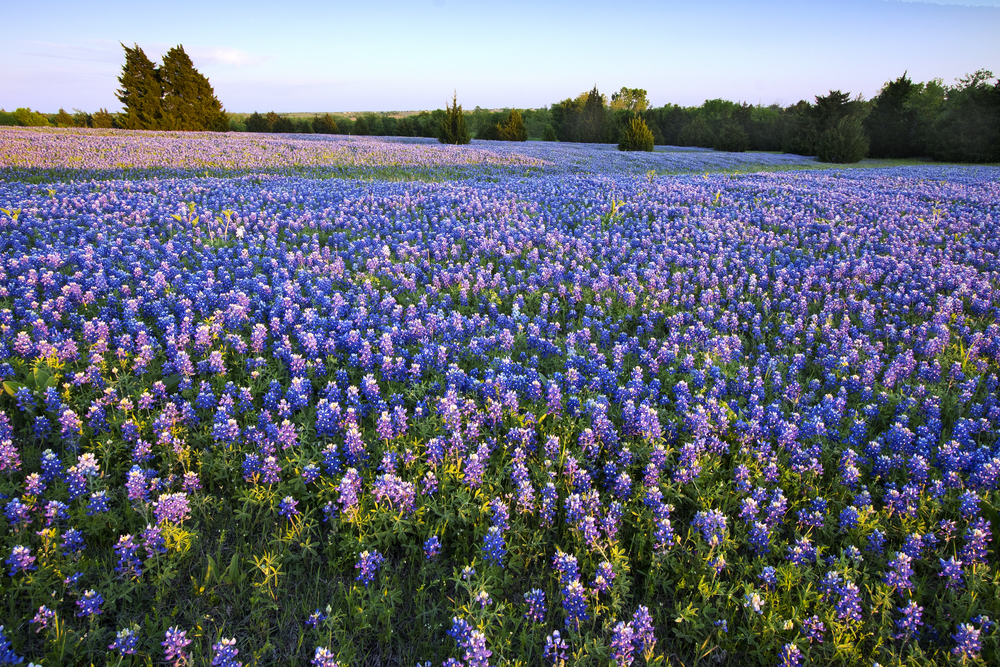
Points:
(906, 119)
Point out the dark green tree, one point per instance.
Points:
(63, 119)
(513, 128)
(549, 134)
(325, 124)
(256, 123)
(361, 126)
(731, 137)
(636, 136)
(593, 120)
(844, 143)
(189, 103)
(141, 92)
(968, 127)
(103, 119)
(283, 125)
(271, 119)
(453, 130)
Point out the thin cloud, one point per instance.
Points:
(94, 50)
(224, 55)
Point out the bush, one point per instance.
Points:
(453, 130)
(844, 143)
(103, 119)
(513, 129)
(549, 134)
(732, 138)
(27, 118)
(636, 137)
(325, 124)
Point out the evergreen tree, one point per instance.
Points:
(325, 124)
(636, 137)
(453, 130)
(513, 128)
(103, 119)
(189, 103)
(593, 122)
(141, 92)
(256, 123)
(63, 119)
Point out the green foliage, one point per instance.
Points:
(731, 138)
(103, 119)
(630, 99)
(141, 92)
(25, 117)
(968, 127)
(257, 123)
(325, 124)
(82, 119)
(63, 119)
(513, 128)
(283, 125)
(174, 96)
(845, 143)
(696, 133)
(636, 136)
(361, 126)
(549, 134)
(453, 130)
(188, 99)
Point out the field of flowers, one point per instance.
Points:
(540, 406)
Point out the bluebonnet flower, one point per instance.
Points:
(125, 642)
(173, 645)
(813, 629)
(622, 644)
(128, 559)
(316, 618)
(90, 603)
(535, 599)
(712, 525)
(432, 547)
(42, 618)
(494, 547)
(224, 653)
(287, 507)
(98, 503)
(323, 658)
(7, 655)
(555, 648)
(790, 656)
(899, 576)
(21, 560)
(754, 601)
(909, 624)
(368, 565)
(575, 604)
(767, 576)
(968, 643)
(72, 542)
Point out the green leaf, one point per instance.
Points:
(172, 381)
(12, 387)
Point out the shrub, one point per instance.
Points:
(844, 143)
(513, 129)
(453, 130)
(636, 136)
(102, 118)
(325, 124)
(549, 134)
(27, 118)
(732, 138)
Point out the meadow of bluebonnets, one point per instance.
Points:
(553, 408)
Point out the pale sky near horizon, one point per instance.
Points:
(307, 55)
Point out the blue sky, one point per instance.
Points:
(411, 54)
